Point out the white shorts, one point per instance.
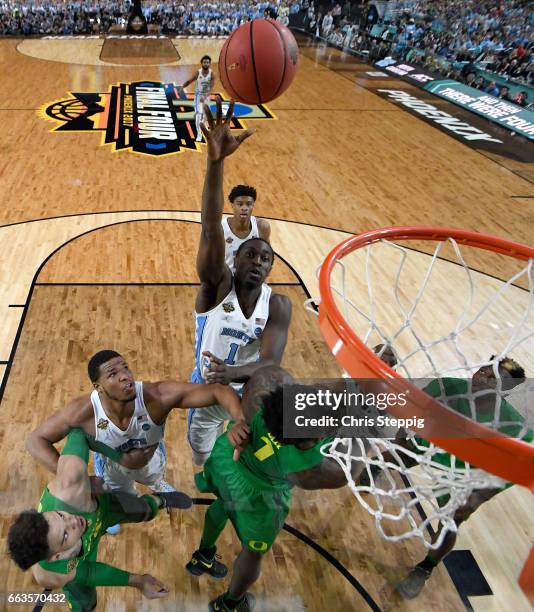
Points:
(118, 478)
(205, 425)
(199, 106)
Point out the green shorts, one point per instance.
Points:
(257, 513)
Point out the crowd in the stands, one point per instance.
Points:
(452, 37)
(56, 17)
(449, 37)
(216, 18)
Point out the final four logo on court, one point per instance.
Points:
(146, 117)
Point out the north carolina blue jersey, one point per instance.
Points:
(226, 333)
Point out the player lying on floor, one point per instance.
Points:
(59, 541)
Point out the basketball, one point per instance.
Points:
(258, 61)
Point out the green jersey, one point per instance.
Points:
(460, 387)
(254, 492)
(269, 462)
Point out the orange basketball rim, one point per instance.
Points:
(510, 459)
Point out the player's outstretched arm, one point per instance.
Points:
(327, 475)
(171, 394)
(188, 82)
(273, 343)
(40, 442)
(72, 484)
(96, 574)
(221, 143)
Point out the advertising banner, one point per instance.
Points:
(504, 113)
(508, 115)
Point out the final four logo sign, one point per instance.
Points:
(147, 117)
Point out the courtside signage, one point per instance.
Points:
(146, 117)
(439, 117)
(407, 71)
(509, 116)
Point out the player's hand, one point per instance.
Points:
(221, 141)
(137, 458)
(218, 371)
(239, 437)
(151, 587)
(388, 356)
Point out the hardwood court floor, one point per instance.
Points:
(338, 157)
(139, 51)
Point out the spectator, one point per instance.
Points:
(309, 23)
(318, 25)
(504, 93)
(410, 28)
(479, 82)
(492, 89)
(336, 37)
(521, 98)
(470, 80)
(336, 14)
(350, 30)
(327, 24)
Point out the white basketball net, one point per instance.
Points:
(442, 321)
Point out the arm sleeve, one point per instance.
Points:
(93, 574)
(78, 443)
(103, 449)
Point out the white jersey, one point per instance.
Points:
(141, 431)
(203, 84)
(226, 333)
(233, 242)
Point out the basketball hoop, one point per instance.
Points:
(498, 458)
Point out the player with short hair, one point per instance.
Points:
(255, 491)
(205, 80)
(60, 540)
(457, 390)
(242, 225)
(128, 416)
(241, 325)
